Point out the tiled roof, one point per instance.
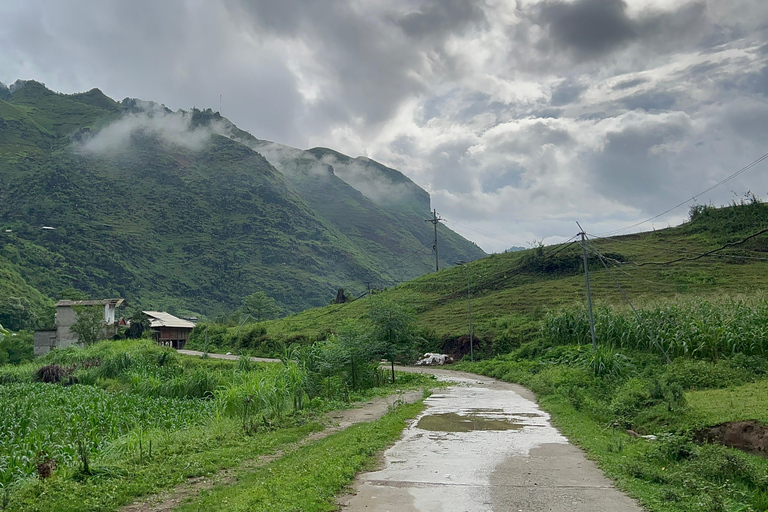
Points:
(163, 319)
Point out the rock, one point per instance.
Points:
(430, 359)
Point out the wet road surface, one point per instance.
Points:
(484, 445)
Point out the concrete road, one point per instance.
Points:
(484, 445)
(230, 357)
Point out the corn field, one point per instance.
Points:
(66, 424)
(693, 328)
(107, 400)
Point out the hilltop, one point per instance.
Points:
(184, 211)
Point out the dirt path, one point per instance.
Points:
(337, 421)
(484, 445)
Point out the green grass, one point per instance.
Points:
(310, 478)
(176, 456)
(745, 402)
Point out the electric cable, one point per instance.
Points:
(724, 180)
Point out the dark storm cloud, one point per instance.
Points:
(369, 68)
(650, 100)
(634, 161)
(593, 28)
(588, 27)
(507, 175)
(442, 17)
(567, 92)
(628, 84)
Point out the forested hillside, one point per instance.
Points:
(180, 211)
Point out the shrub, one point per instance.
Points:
(697, 374)
(51, 374)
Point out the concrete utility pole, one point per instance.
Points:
(469, 310)
(434, 220)
(589, 295)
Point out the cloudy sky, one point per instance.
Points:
(519, 117)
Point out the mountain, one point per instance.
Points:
(184, 211)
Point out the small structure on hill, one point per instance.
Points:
(168, 329)
(62, 336)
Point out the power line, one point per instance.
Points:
(699, 256)
(728, 178)
(632, 307)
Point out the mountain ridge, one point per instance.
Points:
(181, 211)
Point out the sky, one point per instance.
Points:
(520, 118)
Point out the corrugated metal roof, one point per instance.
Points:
(100, 302)
(163, 319)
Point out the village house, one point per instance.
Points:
(169, 330)
(62, 336)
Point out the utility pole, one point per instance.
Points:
(589, 295)
(469, 311)
(434, 220)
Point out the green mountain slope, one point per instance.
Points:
(392, 225)
(179, 211)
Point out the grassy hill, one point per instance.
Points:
(512, 292)
(179, 211)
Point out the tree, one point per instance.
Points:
(73, 294)
(89, 324)
(260, 306)
(140, 324)
(17, 313)
(394, 328)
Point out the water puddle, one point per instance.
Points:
(452, 422)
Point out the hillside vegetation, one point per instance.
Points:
(512, 292)
(180, 212)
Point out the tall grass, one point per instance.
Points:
(694, 328)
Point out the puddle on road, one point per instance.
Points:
(452, 422)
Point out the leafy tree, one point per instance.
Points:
(140, 324)
(89, 324)
(394, 328)
(260, 306)
(16, 348)
(73, 294)
(3, 354)
(361, 353)
(17, 313)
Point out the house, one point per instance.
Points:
(62, 336)
(168, 329)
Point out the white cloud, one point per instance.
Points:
(516, 129)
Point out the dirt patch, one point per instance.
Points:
(749, 436)
(459, 346)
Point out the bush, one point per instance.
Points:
(248, 337)
(216, 337)
(643, 401)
